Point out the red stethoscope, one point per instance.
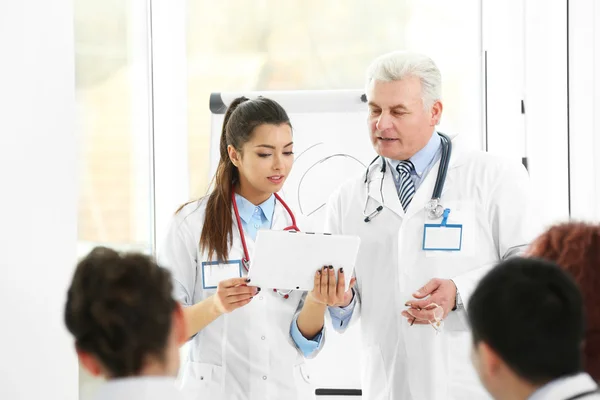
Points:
(246, 259)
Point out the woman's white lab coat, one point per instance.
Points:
(248, 353)
(486, 194)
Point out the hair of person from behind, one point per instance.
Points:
(530, 312)
(398, 65)
(120, 310)
(575, 246)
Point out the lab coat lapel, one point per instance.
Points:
(424, 192)
(390, 193)
(281, 219)
(456, 159)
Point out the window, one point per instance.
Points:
(244, 46)
(112, 89)
(113, 122)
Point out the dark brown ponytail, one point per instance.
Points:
(241, 118)
(217, 231)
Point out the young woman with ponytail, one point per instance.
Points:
(245, 343)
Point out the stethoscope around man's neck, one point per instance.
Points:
(433, 208)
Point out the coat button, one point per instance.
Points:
(263, 338)
(260, 298)
(264, 378)
(201, 378)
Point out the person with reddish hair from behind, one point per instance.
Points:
(575, 246)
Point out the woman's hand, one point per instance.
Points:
(330, 292)
(232, 294)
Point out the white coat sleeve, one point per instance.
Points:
(177, 253)
(513, 220)
(334, 223)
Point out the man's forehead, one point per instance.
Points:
(394, 93)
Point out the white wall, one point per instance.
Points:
(528, 62)
(546, 105)
(584, 112)
(170, 135)
(38, 201)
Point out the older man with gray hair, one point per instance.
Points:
(433, 218)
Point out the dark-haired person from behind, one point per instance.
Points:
(126, 324)
(575, 247)
(527, 322)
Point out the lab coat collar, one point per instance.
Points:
(146, 387)
(422, 195)
(390, 198)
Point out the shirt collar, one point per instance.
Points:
(424, 156)
(246, 209)
(574, 384)
(143, 386)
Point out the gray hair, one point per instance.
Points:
(397, 65)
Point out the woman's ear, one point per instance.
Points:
(234, 156)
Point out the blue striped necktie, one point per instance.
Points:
(407, 187)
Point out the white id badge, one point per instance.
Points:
(214, 272)
(444, 236)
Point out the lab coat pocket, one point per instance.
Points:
(304, 386)
(461, 214)
(374, 375)
(202, 381)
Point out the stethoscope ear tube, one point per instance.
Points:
(433, 208)
(445, 159)
(369, 167)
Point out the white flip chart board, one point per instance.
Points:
(331, 145)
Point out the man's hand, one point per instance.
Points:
(441, 292)
(329, 292)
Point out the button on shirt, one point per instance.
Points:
(423, 161)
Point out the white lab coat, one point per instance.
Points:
(139, 388)
(490, 197)
(569, 388)
(248, 353)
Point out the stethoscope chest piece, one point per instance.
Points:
(434, 209)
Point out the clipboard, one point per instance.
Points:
(288, 260)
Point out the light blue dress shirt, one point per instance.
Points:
(259, 217)
(423, 161)
(254, 217)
